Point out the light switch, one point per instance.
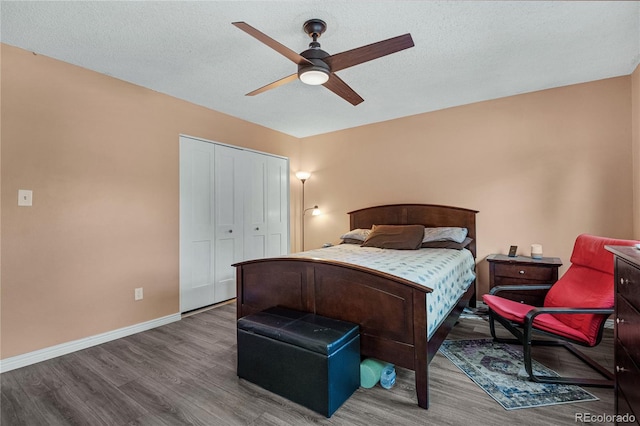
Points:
(25, 197)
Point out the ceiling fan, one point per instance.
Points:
(315, 66)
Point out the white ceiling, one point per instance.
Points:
(464, 51)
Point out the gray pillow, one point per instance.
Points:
(356, 234)
(447, 244)
(445, 233)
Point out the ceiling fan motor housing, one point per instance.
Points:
(316, 57)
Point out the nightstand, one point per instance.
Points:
(522, 270)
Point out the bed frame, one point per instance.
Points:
(391, 311)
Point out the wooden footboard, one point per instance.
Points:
(391, 311)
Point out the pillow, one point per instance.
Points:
(447, 244)
(399, 237)
(445, 233)
(353, 241)
(356, 234)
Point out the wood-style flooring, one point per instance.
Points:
(184, 373)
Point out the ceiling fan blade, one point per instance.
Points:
(356, 56)
(273, 85)
(278, 47)
(342, 89)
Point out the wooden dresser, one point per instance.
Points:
(627, 330)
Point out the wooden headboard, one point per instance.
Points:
(429, 215)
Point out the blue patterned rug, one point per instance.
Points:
(498, 369)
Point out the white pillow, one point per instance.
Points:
(444, 233)
(356, 234)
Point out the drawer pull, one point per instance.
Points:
(231, 231)
(621, 369)
(521, 272)
(624, 281)
(257, 228)
(619, 320)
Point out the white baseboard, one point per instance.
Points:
(23, 360)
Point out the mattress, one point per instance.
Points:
(448, 272)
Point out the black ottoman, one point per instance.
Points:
(306, 358)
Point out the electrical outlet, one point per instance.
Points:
(137, 295)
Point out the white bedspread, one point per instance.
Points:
(448, 272)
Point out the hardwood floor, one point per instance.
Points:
(184, 373)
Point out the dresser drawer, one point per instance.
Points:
(628, 284)
(524, 272)
(628, 327)
(622, 406)
(627, 377)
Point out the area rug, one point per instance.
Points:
(498, 369)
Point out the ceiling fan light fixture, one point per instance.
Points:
(313, 75)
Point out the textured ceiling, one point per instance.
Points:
(464, 51)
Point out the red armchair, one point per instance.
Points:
(575, 309)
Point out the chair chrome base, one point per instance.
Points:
(520, 339)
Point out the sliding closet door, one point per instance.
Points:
(229, 214)
(197, 243)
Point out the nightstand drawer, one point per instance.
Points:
(628, 284)
(524, 272)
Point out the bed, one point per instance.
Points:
(391, 310)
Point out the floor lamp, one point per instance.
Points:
(303, 176)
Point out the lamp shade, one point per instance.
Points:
(315, 211)
(303, 175)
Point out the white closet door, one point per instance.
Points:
(229, 215)
(255, 206)
(277, 206)
(234, 206)
(197, 245)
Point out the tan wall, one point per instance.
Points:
(635, 120)
(101, 157)
(541, 168)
